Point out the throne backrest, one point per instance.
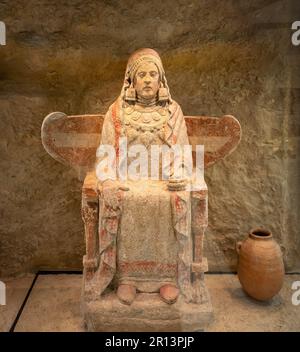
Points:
(73, 140)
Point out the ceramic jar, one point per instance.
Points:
(260, 266)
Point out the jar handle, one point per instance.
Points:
(238, 246)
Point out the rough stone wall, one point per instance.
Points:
(232, 57)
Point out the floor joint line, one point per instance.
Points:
(23, 304)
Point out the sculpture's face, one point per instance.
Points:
(146, 81)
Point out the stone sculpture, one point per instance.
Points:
(144, 265)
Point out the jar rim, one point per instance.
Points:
(260, 233)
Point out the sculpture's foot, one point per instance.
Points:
(169, 293)
(126, 293)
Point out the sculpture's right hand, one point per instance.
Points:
(109, 193)
(109, 183)
(114, 184)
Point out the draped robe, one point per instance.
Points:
(144, 229)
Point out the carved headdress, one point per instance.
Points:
(135, 60)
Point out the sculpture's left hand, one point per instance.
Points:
(111, 193)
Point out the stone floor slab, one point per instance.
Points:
(236, 311)
(16, 291)
(54, 305)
